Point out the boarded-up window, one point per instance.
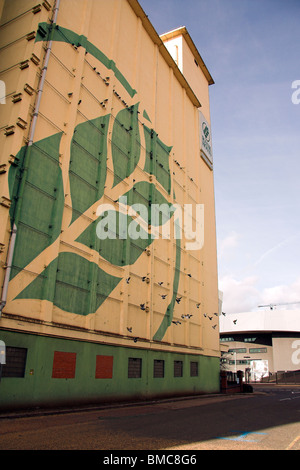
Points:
(178, 368)
(194, 369)
(134, 368)
(15, 362)
(158, 368)
(64, 365)
(104, 367)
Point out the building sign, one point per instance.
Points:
(205, 140)
(2, 353)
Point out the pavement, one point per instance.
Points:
(41, 411)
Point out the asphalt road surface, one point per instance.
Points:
(268, 419)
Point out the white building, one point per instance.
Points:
(260, 343)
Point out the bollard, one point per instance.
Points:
(240, 375)
(223, 375)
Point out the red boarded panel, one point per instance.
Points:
(104, 367)
(64, 365)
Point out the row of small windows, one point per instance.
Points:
(237, 362)
(251, 350)
(135, 368)
(230, 338)
(64, 365)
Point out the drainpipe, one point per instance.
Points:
(12, 241)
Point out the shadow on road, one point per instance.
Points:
(163, 424)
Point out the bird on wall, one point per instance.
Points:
(135, 339)
(216, 314)
(214, 326)
(210, 317)
(129, 329)
(234, 321)
(189, 275)
(142, 306)
(198, 305)
(178, 299)
(127, 280)
(223, 313)
(176, 322)
(163, 296)
(160, 283)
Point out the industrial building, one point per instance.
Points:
(262, 343)
(108, 263)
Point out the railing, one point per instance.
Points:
(283, 377)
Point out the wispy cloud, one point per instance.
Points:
(228, 243)
(284, 295)
(276, 247)
(244, 295)
(239, 295)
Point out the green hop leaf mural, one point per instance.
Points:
(71, 280)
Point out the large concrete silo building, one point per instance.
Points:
(107, 235)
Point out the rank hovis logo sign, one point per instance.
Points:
(205, 138)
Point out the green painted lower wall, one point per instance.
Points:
(39, 388)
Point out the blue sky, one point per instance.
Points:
(251, 48)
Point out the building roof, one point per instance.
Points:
(261, 321)
(135, 5)
(182, 31)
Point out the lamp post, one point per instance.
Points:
(234, 354)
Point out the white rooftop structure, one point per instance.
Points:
(261, 321)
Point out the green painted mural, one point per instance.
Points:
(54, 32)
(36, 192)
(70, 281)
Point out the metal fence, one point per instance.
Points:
(283, 377)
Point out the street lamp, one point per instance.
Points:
(234, 354)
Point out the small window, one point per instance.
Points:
(15, 362)
(257, 350)
(194, 369)
(134, 368)
(158, 368)
(238, 350)
(178, 368)
(239, 362)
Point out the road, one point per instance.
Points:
(268, 419)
